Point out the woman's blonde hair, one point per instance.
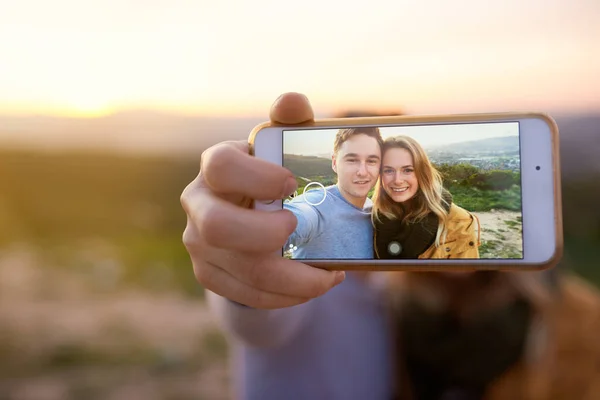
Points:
(429, 196)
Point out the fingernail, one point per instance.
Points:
(277, 100)
(339, 277)
(289, 187)
(304, 97)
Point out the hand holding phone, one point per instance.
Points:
(464, 192)
(231, 246)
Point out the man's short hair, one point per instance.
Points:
(346, 133)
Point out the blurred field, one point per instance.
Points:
(98, 297)
(86, 211)
(67, 335)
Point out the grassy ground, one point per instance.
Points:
(63, 336)
(501, 235)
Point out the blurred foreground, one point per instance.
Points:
(64, 336)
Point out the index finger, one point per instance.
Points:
(228, 169)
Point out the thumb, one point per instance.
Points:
(291, 108)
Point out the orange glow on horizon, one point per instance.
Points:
(199, 58)
(324, 106)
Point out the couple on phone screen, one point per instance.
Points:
(410, 214)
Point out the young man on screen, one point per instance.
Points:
(335, 222)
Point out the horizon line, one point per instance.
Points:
(168, 112)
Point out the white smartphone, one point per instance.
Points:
(454, 192)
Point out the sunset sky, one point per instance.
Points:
(320, 141)
(82, 58)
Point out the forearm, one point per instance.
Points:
(256, 327)
(306, 228)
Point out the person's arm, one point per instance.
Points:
(471, 242)
(308, 223)
(258, 327)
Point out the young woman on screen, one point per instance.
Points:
(413, 215)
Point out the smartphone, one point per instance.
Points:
(444, 192)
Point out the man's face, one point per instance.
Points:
(357, 166)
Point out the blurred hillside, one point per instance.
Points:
(129, 132)
(82, 210)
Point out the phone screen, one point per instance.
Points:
(406, 192)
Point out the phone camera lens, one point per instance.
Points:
(538, 167)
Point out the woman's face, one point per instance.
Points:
(398, 175)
